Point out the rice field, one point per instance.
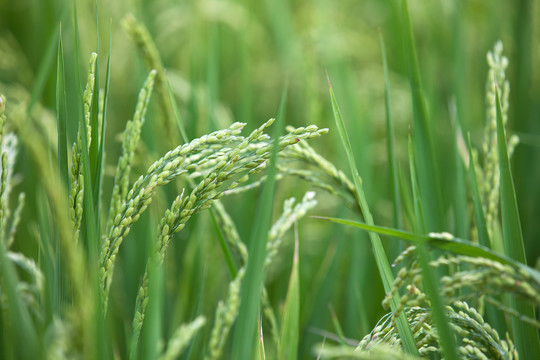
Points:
(225, 179)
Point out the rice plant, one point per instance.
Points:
(231, 180)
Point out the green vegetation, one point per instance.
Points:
(177, 181)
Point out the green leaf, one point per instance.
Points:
(427, 172)
(61, 115)
(525, 335)
(390, 143)
(246, 324)
(385, 271)
(179, 121)
(430, 276)
(290, 327)
(441, 241)
(224, 246)
(98, 179)
(43, 71)
(337, 326)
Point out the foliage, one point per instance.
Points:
(157, 224)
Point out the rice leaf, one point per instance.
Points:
(97, 181)
(337, 326)
(430, 275)
(390, 143)
(94, 145)
(385, 271)
(61, 115)
(427, 172)
(224, 246)
(290, 327)
(176, 112)
(441, 241)
(246, 325)
(43, 71)
(525, 335)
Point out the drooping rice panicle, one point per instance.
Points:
(232, 170)
(181, 338)
(234, 167)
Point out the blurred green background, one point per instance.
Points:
(230, 61)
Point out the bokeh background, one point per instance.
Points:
(230, 61)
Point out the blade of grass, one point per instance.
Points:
(176, 112)
(427, 172)
(440, 241)
(95, 330)
(94, 144)
(337, 326)
(246, 324)
(152, 333)
(385, 271)
(97, 149)
(290, 328)
(212, 74)
(76, 48)
(390, 143)
(61, 115)
(525, 335)
(444, 241)
(43, 71)
(461, 219)
(512, 236)
(430, 275)
(224, 247)
(101, 152)
(419, 225)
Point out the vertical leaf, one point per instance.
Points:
(61, 115)
(43, 71)
(291, 312)
(101, 151)
(390, 143)
(246, 326)
(430, 275)
(427, 172)
(525, 335)
(385, 271)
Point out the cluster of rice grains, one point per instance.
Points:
(479, 280)
(469, 281)
(215, 164)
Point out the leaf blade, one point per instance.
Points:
(525, 335)
(380, 255)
